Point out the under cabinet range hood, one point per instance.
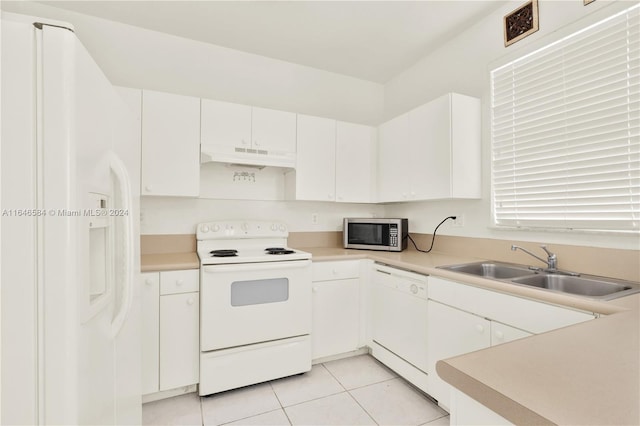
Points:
(246, 156)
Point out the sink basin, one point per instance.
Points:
(500, 271)
(592, 287)
(589, 286)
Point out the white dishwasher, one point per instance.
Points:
(399, 326)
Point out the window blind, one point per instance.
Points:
(565, 131)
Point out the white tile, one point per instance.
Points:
(394, 402)
(358, 371)
(179, 410)
(317, 383)
(238, 404)
(272, 418)
(339, 409)
(442, 421)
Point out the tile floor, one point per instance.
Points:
(351, 391)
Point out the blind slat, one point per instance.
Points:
(565, 131)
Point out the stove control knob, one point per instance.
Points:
(274, 227)
(414, 289)
(283, 228)
(245, 226)
(215, 228)
(204, 228)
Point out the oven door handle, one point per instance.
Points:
(263, 266)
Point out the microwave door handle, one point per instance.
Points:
(265, 266)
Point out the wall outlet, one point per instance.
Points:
(314, 218)
(459, 220)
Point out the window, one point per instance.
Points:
(566, 132)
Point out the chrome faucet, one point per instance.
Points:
(552, 259)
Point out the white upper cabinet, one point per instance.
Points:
(394, 157)
(432, 152)
(355, 163)
(335, 162)
(273, 130)
(242, 134)
(224, 123)
(315, 177)
(170, 144)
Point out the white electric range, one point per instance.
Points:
(255, 305)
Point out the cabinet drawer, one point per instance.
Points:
(173, 282)
(327, 271)
(534, 317)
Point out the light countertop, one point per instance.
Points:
(169, 261)
(588, 373)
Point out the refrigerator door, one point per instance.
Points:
(128, 339)
(72, 267)
(18, 262)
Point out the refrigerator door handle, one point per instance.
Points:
(124, 190)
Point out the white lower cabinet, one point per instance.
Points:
(150, 332)
(179, 343)
(170, 330)
(451, 332)
(467, 411)
(336, 308)
(463, 318)
(502, 333)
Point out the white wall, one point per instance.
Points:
(165, 215)
(140, 58)
(462, 65)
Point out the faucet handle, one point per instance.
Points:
(544, 247)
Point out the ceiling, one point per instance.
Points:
(369, 40)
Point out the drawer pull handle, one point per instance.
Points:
(179, 282)
(480, 328)
(190, 301)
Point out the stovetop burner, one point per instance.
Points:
(278, 250)
(224, 253)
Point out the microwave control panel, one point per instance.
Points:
(393, 235)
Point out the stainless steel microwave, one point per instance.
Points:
(376, 234)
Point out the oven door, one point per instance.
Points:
(249, 303)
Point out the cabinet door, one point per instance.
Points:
(150, 295)
(179, 341)
(502, 333)
(336, 316)
(393, 160)
(430, 150)
(451, 332)
(170, 144)
(316, 159)
(466, 147)
(225, 124)
(355, 163)
(273, 130)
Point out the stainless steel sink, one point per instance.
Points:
(588, 286)
(491, 270)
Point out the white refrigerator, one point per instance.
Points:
(70, 310)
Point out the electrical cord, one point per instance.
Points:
(433, 238)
